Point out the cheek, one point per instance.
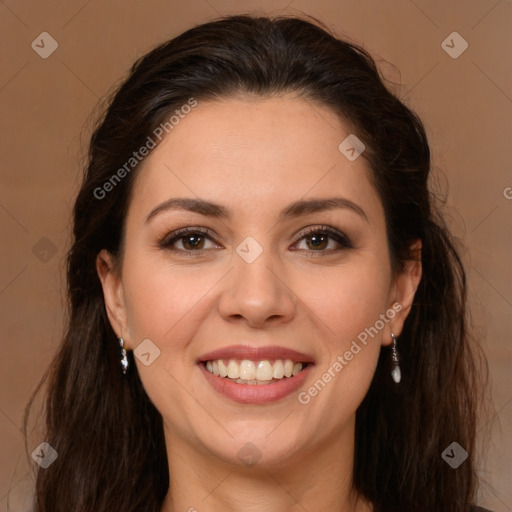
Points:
(166, 306)
(161, 300)
(348, 302)
(349, 308)
(348, 299)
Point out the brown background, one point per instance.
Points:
(47, 104)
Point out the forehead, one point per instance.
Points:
(253, 153)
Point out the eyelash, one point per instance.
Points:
(339, 237)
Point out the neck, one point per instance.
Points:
(318, 479)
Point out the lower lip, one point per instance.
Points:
(256, 393)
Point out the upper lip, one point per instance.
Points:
(256, 354)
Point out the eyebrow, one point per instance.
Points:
(295, 209)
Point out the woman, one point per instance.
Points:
(266, 309)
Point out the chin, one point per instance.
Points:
(256, 445)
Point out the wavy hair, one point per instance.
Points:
(107, 432)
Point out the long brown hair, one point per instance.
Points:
(108, 434)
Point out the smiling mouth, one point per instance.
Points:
(258, 372)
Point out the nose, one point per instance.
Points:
(257, 293)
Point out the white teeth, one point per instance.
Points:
(254, 372)
(233, 369)
(247, 370)
(223, 369)
(264, 371)
(278, 369)
(297, 368)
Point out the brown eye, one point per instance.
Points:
(317, 240)
(191, 239)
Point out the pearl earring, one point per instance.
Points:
(395, 372)
(124, 359)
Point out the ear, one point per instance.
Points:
(406, 283)
(113, 295)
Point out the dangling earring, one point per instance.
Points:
(124, 360)
(395, 372)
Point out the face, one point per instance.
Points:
(264, 277)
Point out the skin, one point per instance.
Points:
(256, 156)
